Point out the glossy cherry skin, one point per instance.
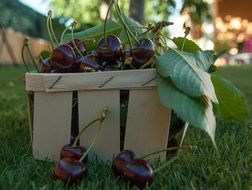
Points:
(138, 172)
(80, 45)
(63, 58)
(73, 152)
(88, 63)
(70, 170)
(121, 160)
(142, 52)
(46, 66)
(111, 51)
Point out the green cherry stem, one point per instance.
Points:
(23, 57)
(51, 28)
(63, 33)
(105, 24)
(124, 27)
(26, 44)
(129, 39)
(83, 130)
(124, 24)
(187, 31)
(89, 39)
(72, 36)
(166, 164)
(48, 27)
(100, 119)
(187, 147)
(160, 151)
(92, 143)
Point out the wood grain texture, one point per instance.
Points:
(91, 103)
(147, 125)
(52, 123)
(54, 82)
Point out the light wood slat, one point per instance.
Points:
(30, 96)
(53, 82)
(147, 125)
(52, 123)
(91, 104)
(34, 82)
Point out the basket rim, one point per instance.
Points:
(120, 79)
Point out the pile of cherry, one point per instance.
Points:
(73, 56)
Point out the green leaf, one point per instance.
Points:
(187, 73)
(96, 33)
(190, 46)
(203, 59)
(189, 109)
(232, 102)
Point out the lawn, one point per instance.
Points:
(203, 168)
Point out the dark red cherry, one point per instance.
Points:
(80, 45)
(63, 58)
(70, 170)
(88, 63)
(46, 66)
(121, 160)
(142, 52)
(74, 152)
(111, 51)
(138, 172)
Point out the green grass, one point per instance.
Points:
(204, 168)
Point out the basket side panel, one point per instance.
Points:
(52, 123)
(148, 123)
(91, 104)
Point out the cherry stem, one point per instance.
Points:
(26, 44)
(129, 39)
(83, 130)
(124, 24)
(147, 63)
(101, 118)
(124, 27)
(165, 165)
(187, 147)
(72, 36)
(162, 38)
(48, 28)
(187, 31)
(63, 33)
(92, 143)
(89, 39)
(51, 27)
(105, 24)
(159, 151)
(23, 57)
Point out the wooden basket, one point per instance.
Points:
(50, 106)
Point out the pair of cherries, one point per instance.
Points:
(110, 51)
(71, 168)
(73, 158)
(65, 58)
(136, 171)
